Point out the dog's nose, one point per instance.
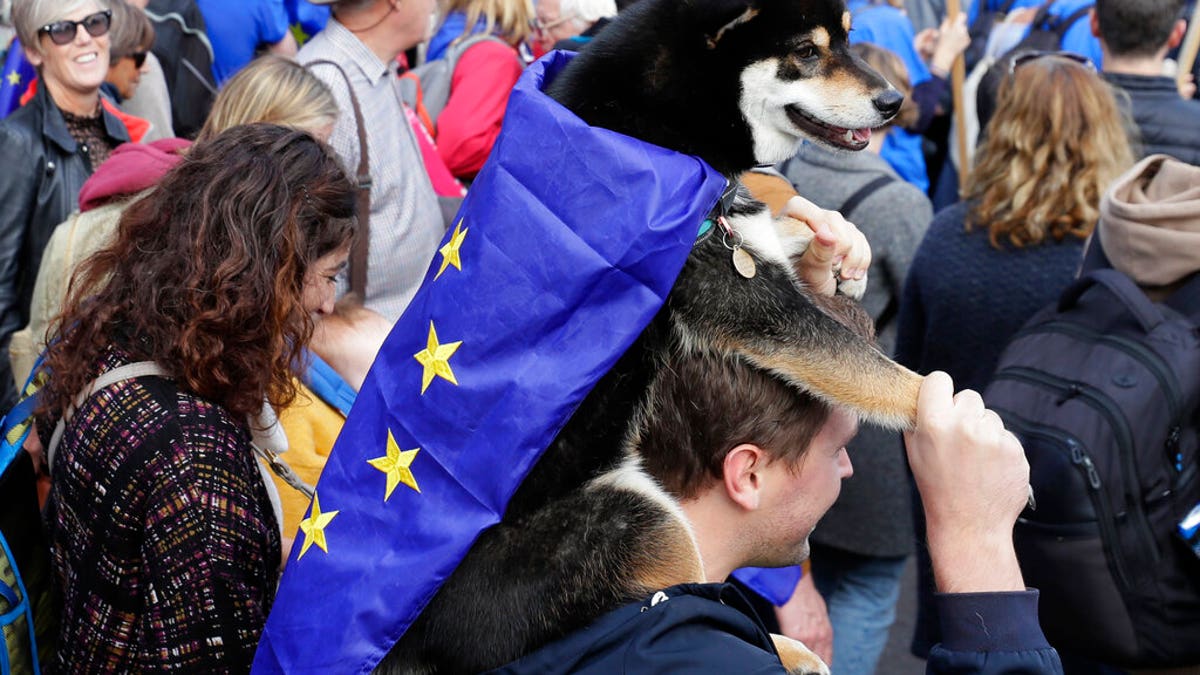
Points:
(888, 102)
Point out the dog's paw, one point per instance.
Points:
(853, 288)
(798, 659)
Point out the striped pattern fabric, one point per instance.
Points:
(163, 538)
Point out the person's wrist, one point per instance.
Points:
(973, 560)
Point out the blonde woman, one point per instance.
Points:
(483, 76)
(1055, 143)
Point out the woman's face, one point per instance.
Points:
(320, 281)
(125, 74)
(80, 65)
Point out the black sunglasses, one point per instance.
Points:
(139, 59)
(63, 32)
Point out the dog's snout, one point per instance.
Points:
(888, 102)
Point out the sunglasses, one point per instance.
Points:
(139, 58)
(63, 32)
(1033, 55)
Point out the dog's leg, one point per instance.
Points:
(798, 659)
(777, 326)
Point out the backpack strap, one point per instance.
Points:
(106, 379)
(1121, 286)
(860, 195)
(1064, 24)
(360, 252)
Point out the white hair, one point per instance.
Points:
(30, 15)
(587, 12)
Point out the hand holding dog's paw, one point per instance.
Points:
(838, 252)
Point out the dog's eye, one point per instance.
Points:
(805, 52)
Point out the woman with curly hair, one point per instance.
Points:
(988, 263)
(165, 533)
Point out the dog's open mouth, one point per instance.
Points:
(850, 139)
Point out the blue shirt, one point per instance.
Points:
(1078, 38)
(888, 27)
(238, 28)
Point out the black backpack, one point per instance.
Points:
(1045, 35)
(182, 47)
(981, 29)
(1103, 389)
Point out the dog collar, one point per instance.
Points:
(721, 209)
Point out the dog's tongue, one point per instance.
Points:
(861, 135)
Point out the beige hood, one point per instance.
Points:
(1150, 221)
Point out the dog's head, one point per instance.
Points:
(799, 79)
(737, 82)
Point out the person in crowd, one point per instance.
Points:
(483, 78)
(755, 463)
(860, 548)
(882, 23)
(129, 42)
(175, 567)
(406, 224)
(240, 29)
(1135, 36)
(149, 99)
(1055, 143)
(570, 24)
(52, 144)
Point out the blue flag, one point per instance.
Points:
(14, 78)
(567, 244)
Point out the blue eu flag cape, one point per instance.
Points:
(565, 248)
(14, 78)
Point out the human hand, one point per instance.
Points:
(953, 38)
(1187, 86)
(805, 618)
(836, 244)
(925, 42)
(974, 481)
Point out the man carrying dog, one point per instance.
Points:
(755, 464)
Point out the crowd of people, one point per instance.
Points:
(231, 203)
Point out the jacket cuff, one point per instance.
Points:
(974, 622)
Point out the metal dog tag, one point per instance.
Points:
(744, 263)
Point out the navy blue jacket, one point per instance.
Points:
(710, 628)
(1167, 121)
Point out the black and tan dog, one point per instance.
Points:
(738, 83)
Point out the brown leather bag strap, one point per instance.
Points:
(362, 203)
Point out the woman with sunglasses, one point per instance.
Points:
(50, 146)
(1054, 145)
(129, 41)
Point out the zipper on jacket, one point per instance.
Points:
(1100, 402)
(1080, 458)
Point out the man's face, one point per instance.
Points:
(411, 20)
(796, 498)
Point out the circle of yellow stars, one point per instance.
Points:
(396, 464)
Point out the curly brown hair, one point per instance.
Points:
(1056, 142)
(206, 273)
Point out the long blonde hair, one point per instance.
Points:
(507, 18)
(272, 89)
(1056, 141)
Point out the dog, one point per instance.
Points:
(738, 83)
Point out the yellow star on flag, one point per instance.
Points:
(314, 527)
(436, 360)
(395, 464)
(14, 78)
(450, 250)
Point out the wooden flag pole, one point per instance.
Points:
(958, 77)
(1191, 44)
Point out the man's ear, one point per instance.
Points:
(1177, 33)
(1095, 22)
(742, 476)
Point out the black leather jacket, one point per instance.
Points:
(42, 172)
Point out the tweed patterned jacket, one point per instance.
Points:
(163, 538)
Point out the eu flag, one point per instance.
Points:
(14, 78)
(565, 248)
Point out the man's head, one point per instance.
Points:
(1138, 28)
(769, 457)
(562, 19)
